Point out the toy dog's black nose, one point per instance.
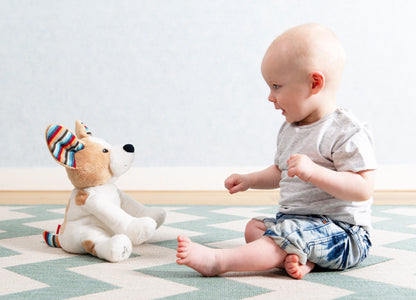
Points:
(128, 148)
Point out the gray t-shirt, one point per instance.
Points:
(338, 142)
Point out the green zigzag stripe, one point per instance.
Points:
(63, 283)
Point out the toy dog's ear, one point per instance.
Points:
(63, 145)
(81, 130)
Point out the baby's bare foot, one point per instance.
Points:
(295, 269)
(200, 258)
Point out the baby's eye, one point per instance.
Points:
(275, 86)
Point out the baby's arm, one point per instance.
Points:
(265, 179)
(348, 186)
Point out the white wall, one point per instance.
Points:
(181, 79)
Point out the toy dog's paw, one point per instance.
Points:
(141, 229)
(120, 248)
(114, 249)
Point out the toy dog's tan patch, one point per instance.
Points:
(81, 197)
(89, 246)
(93, 166)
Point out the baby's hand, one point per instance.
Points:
(301, 166)
(237, 183)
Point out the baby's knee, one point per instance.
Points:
(254, 230)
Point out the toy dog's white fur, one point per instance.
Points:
(100, 219)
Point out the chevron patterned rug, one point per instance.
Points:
(29, 269)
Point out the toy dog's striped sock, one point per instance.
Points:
(52, 239)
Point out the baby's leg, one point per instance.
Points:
(295, 269)
(260, 255)
(254, 230)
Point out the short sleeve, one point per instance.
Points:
(354, 150)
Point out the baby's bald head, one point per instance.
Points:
(309, 48)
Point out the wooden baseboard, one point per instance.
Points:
(193, 197)
(388, 178)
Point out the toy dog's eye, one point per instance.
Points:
(105, 150)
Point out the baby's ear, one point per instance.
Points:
(81, 130)
(63, 145)
(318, 82)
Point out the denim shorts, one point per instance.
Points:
(327, 243)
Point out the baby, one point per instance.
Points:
(324, 166)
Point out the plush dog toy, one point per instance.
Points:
(100, 219)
